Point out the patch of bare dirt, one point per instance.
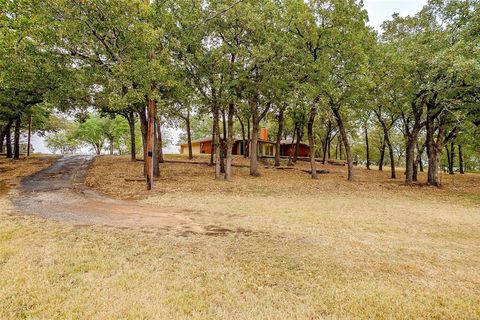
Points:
(58, 193)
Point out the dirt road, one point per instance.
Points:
(59, 193)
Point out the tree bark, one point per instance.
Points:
(217, 144)
(144, 129)
(297, 144)
(343, 134)
(16, 137)
(367, 146)
(3, 135)
(229, 142)
(451, 158)
(311, 139)
(242, 125)
(8, 141)
(223, 142)
(157, 146)
(189, 136)
(133, 143)
(281, 121)
(249, 138)
(433, 154)
(382, 155)
(214, 132)
(111, 146)
(460, 159)
(254, 143)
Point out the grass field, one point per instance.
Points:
(286, 247)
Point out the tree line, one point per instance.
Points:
(310, 70)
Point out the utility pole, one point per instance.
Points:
(150, 138)
(29, 143)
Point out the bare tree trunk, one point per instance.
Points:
(253, 150)
(229, 142)
(144, 129)
(280, 119)
(223, 142)
(214, 132)
(217, 142)
(8, 141)
(133, 143)
(367, 146)
(343, 133)
(382, 155)
(3, 135)
(242, 125)
(110, 141)
(412, 138)
(433, 155)
(16, 137)
(460, 159)
(311, 138)
(451, 157)
(297, 144)
(2, 140)
(189, 136)
(249, 138)
(157, 146)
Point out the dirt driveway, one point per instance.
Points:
(59, 193)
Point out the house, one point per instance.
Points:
(265, 147)
(288, 150)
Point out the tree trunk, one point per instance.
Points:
(2, 139)
(144, 129)
(343, 133)
(324, 148)
(16, 137)
(133, 143)
(157, 146)
(433, 155)
(253, 149)
(242, 125)
(212, 145)
(249, 138)
(460, 159)
(451, 157)
(229, 142)
(189, 136)
(223, 142)
(382, 155)
(279, 136)
(311, 140)
(3, 135)
(297, 144)
(412, 138)
(8, 141)
(217, 142)
(110, 141)
(367, 146)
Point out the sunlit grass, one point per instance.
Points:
(325, 249)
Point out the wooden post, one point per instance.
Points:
(150, 137)
(29, 143)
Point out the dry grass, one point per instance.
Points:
(313, 249)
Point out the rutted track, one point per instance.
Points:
(59, 193)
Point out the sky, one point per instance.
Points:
(378, 11)
(382, 10)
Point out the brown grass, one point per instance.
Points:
(302, 249)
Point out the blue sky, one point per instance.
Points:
(381, 10)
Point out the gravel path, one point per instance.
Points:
(59, 193)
